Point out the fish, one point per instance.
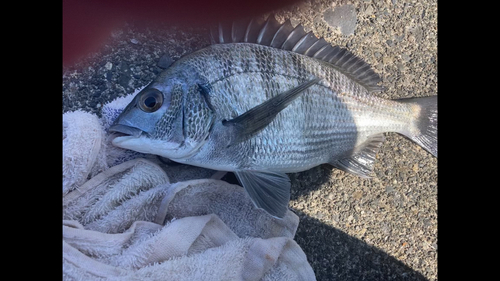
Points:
(266, 99)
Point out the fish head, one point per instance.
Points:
(170, 119)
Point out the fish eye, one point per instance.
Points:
(150, 100)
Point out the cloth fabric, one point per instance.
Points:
(130, 221)
(83, 153)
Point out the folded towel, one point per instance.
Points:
(111, 231)
(130, 218)
(83, 148)
(192, 248)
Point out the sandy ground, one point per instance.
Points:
(384, 228)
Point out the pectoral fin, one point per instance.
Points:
(254, 120)
(268, 190)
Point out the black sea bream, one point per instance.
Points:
(268, 99)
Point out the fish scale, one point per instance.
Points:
(342, 103)
(262, 111)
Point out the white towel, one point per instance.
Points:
(109, 231)
(83, 148)
(130, 222)
(218, 256)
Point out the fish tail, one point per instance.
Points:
(425, 129)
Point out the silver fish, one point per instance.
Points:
(268, 99)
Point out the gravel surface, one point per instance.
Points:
(384, 228)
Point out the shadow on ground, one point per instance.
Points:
(334, 254)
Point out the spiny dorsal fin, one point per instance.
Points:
(284, 36)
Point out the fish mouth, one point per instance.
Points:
(125, 131)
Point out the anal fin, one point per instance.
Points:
(361, 160)
(268, 190)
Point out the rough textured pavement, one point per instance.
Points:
(384, 228)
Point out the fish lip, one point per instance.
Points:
(126, 130)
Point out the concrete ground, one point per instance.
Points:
(384, 228)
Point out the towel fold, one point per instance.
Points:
(83, 153)
(124, 219)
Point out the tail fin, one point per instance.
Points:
(426, 133)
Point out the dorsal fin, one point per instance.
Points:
(284, 36)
